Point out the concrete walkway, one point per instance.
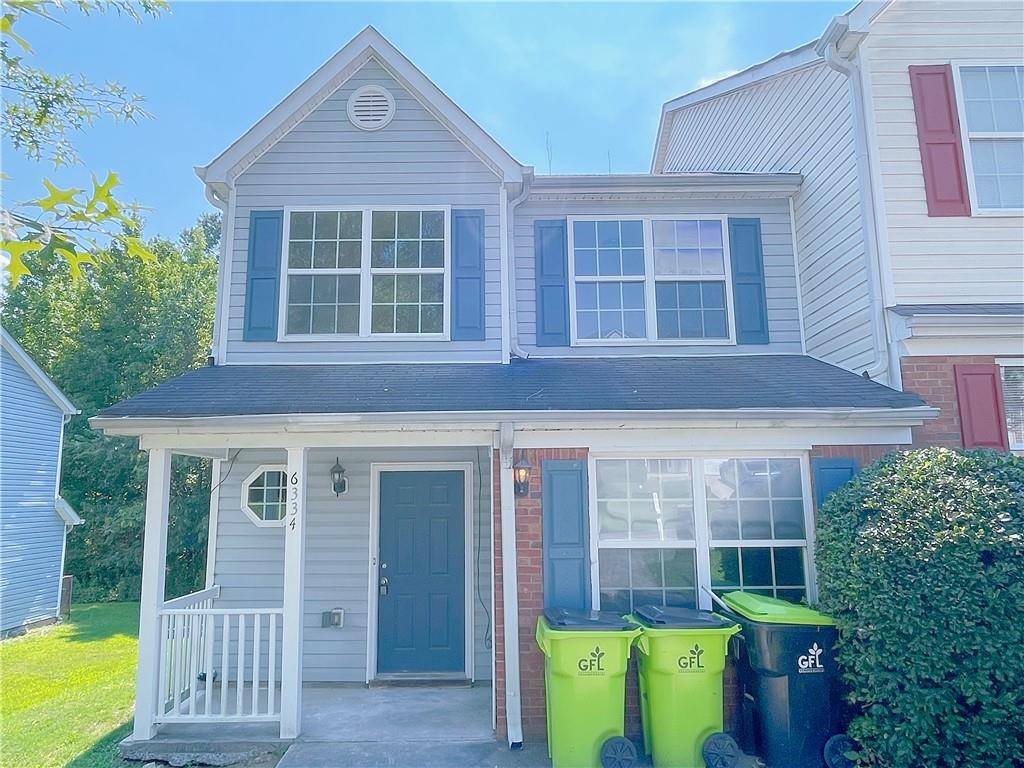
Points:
(465, 754)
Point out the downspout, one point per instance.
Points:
(881, 344)
(510, 255)
(509, 589)
(225, 206)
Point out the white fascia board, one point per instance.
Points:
(66, 512)
(328, 78)
(847, 31)
(21, 357)
(779, 184)
(942, 335)
(435, 422)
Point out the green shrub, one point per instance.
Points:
(921, 560)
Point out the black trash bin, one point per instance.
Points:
(789, 679)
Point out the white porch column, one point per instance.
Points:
(510, 590)
(294, 567)
(154, 563)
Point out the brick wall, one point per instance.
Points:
(529, 562)
(932, 378)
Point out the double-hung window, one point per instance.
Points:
(366, 272)
(992, 124)
(668, 529)
(657, 279)
(1012, 371)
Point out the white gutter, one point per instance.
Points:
(510, 589)
(881, 345)
(510, 257)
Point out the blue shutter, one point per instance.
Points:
(748, 292)
(566, 534)
(468, 275)
(263, 275)
(830, 475)
(552, 266)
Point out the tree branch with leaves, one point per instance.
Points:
(41, 113)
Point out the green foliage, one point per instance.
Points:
(41, 112)
(921, 560)
(103, 338)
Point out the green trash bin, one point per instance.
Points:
(585, 656)
(681, 661)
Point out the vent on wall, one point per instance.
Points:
(371, 108)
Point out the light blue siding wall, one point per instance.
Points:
(325, 160)
(780, 272)
(798, 122)
(249, 565)
(31, 531)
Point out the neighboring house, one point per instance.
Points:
(34, 519)
(906, 122)
(407, 320)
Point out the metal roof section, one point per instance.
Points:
(221, 172)
(548, 389)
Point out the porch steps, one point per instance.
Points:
(201, 749)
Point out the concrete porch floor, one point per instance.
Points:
(343, 725)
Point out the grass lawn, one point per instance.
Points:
(66, 691)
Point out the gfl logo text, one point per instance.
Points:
(811, 661)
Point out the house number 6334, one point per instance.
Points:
(293, 500)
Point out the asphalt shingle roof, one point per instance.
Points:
(591, 384)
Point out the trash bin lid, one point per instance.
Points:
(770, 610)
(656, 617)
(575, 620)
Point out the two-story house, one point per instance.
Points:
(447, 392)
(906, 123)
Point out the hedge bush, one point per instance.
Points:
(921, 560)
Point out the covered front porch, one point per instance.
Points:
(353, 609)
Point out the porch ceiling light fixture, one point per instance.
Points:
(521, 476)
(338, 480)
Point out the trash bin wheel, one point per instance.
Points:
(618, 752)
(720, 750)
(835, 751)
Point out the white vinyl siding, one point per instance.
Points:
(797, 122)
(414, 162)
(31, 531)
(249, 560)
(780, 271)
(936, 260)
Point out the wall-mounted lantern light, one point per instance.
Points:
(521, 476)
(338, 480)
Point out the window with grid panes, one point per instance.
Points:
(264, 495)
(646, 541)
(689, 279)
(756, 526)
(1013, 402)
(333, 288)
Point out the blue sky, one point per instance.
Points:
(593, 77)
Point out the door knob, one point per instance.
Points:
(383, 585)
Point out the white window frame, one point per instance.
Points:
(1010, 362)
(366, 273)
(649, 279)
(702, 528)
(966, 136)
(253, 517)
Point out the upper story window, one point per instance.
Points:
(366, 272)
(650, 278)
(992, 122)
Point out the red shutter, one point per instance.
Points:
(938, 135)
(979, 398)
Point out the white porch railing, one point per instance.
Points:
(217, 663)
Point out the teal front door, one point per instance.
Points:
(421, 608)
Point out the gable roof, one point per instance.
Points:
(368, 44)
(857, 19)
(45, 383)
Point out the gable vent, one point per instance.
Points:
(371, 108)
